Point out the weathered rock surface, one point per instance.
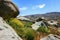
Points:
(6, 31)
(51, 37)
(8, 9)
(36, 25)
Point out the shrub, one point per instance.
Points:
(17, 22)
(43, 29)
(30, 34)
(22, 31)
(27, 33)
(27, 23)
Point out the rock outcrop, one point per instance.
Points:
(6, 31)
(51, 37)
(36, 25)
(8, 9)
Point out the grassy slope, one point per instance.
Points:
(25, 31)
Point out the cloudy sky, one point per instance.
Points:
(29, 7)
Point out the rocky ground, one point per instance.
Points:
(51, 37)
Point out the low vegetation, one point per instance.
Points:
(25, 31)
(43, 29)
(27, 24)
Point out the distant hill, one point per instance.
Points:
(50, 15)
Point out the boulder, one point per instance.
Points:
(8, 9)
(7, 32)
(36, 25)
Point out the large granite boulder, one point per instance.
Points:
(8, 9)
(7, 32)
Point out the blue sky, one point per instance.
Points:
(29, 7)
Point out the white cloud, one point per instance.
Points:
(41, 5)
(23, 8)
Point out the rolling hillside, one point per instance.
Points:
(50, 15)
